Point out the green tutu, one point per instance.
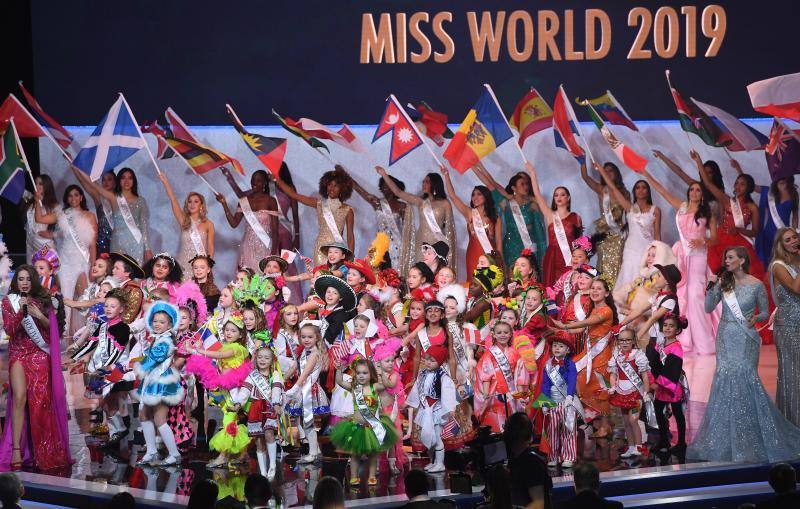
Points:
(357, 439)
(232, 438)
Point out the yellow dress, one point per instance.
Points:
(232, 437)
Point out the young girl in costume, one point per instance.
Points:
(559, 384)
(255, 327)
(664, 281)
(161, 271)
(287, 340)
(46, 263)
(415, 319)
(159, 386)
(630, 385)
(393, 398)
(229, 373)
(306, 399)
(434, 397)
(501, 380)
(339, 303)
(582, 252)
(433, 332)
(368, 431)
(671, 389)
(508, 314)
(579, 303)
(444, 277)
(264, 389)
(357, 346)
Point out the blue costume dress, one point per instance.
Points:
(766, 236)
(741, 423)
(160, 382)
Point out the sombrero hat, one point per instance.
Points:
(136, 270)
(348, 296)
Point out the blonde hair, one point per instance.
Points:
(187, 218)
(779, 253)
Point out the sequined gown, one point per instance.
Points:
(553, 265)
(122, 240)
(443, 212)
(285, 238)
(33, 242)
(252, 250)
(104, 228)
(186, 249)
(787, 343)
(727, 236)
(609, 250)
(46, 444)
(641, 232)
(741, 423)
(324, 236)
(73, 264)
(512, 242)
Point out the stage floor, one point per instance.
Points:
(99, 470)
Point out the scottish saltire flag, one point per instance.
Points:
(114, 140)
(483, 130)
(565, 126)
(59, 134)
(608, 107)
(12, 166)
(735, 135)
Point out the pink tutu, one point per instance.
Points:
(207, 372)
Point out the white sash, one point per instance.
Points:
(33, 332)
(261, 383)
(773, 212)
(592, 350)
(738, 217)
(684, 242)
(252, 220)
(125, 210)
(101, 350)
(609, 217)
(327, 215)
(457, 333)
(430, 218)
(197, 241)
(108, 212)
(305, 391)
(557, 380)
(772, 284)
(733, 305)
(424, 340)
(580, 313)
(394, 228)
(637, 215)
(505, 366)
(367, 414)
(538, 350)
(480, 229)
(636, 380)
(561, 237)
(522, 227)
(74, 235)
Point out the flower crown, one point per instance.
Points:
(236, 319)
(584, 243)
(526, 252)
(167, 257)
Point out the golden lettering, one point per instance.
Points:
(376, 45)
(486, 36)
(637, 49)
(511, 36)
(715, 24)
(569, 37)
(444, 37)
(417, 34)
(400, 25)
(548, 25)
(593, 51)
(690, 13)
(666, 45)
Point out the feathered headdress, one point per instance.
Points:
(188, 295)
(378, 249)
(255, 289)
(584, 243)
(426, 294)
(489, 277)
(455, 291)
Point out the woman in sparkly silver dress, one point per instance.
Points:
(784, 273)
(741, 423)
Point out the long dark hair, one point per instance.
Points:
(37, 291)
(512, 182)
(649, 191)
(49, 200)
(80, 192)
(750, 186)
(726, 279)
(286, 175)
(437, 187)
(792, 190)
(703, 210)
(553, 200)
(716, 179)
(118, 187)
(488, 203)
(609, 300)
(616, 177)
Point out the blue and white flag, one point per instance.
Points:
(114, 140)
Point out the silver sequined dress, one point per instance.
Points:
(787, 343)
(741, 423)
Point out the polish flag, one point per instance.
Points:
(778, 96)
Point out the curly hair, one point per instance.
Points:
(340, 176)
(175, 272)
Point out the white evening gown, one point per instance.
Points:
(641, 232)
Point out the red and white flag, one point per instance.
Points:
(343, 136)
(26, 125)
(405, 136)
(778, 96)
(61, 135)
(179, 129)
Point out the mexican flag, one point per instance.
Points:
(625, 154)
(12, 165)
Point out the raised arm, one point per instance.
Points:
(673, 167)
(177, 211)
(233, 219)
(594, 185)
(537, 193)
(91, 187)
(489, 181)
(407, 197)
(616, 193)
(673, 200)
(232, 182)
(39, 214)
(368, 197)
(309, 201)
(718, 193)
(349, 221)
(451, 192)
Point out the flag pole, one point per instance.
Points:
(22, 153)
(190, 167)
(139, 130)
(580, 131)
(45, 131)
(669, 84)
(516, 138)
(414, 127)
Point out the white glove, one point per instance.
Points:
(293, 392)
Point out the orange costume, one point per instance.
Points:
(493, 407)
(601, 345)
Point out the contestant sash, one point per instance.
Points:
(738, 218)
(636, 380)
(772, 283)
(252, 220)
(567, 286)
(457, 333)
(557, 380)
(108, 212)
(330, 221)
(637, 215)
(561, 238)
(577, 306)
(684, 242)
(394, 228)
(367, 414)
(127, 216)
(197, 240)
(261, 383)
(424, 340)
(480, 229)
(33, 333)
(592, 350)
(538, 350)
(609, 217)
(773, 212)
(73, 233)
(505, 367)
(733, 305)
(305, 391)
(283, 219)
(430, 219)
(522, 227)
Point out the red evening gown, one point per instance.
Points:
(553, 265)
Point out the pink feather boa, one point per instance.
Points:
(207, 372)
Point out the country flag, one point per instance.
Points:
(163, 150)
(692, 118)
(778, 96)
(26, 124)
(270, 151)
(611, 110)
(59, 134)
(565, 126)
(313, 129)
(734, 134)
(624, 153)
(12, 165)
(482, 131)
(782, 151)
(531, 115)
(293, 127)
(178, 127)
(432, 124)
(201, 158)
(405, 137)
